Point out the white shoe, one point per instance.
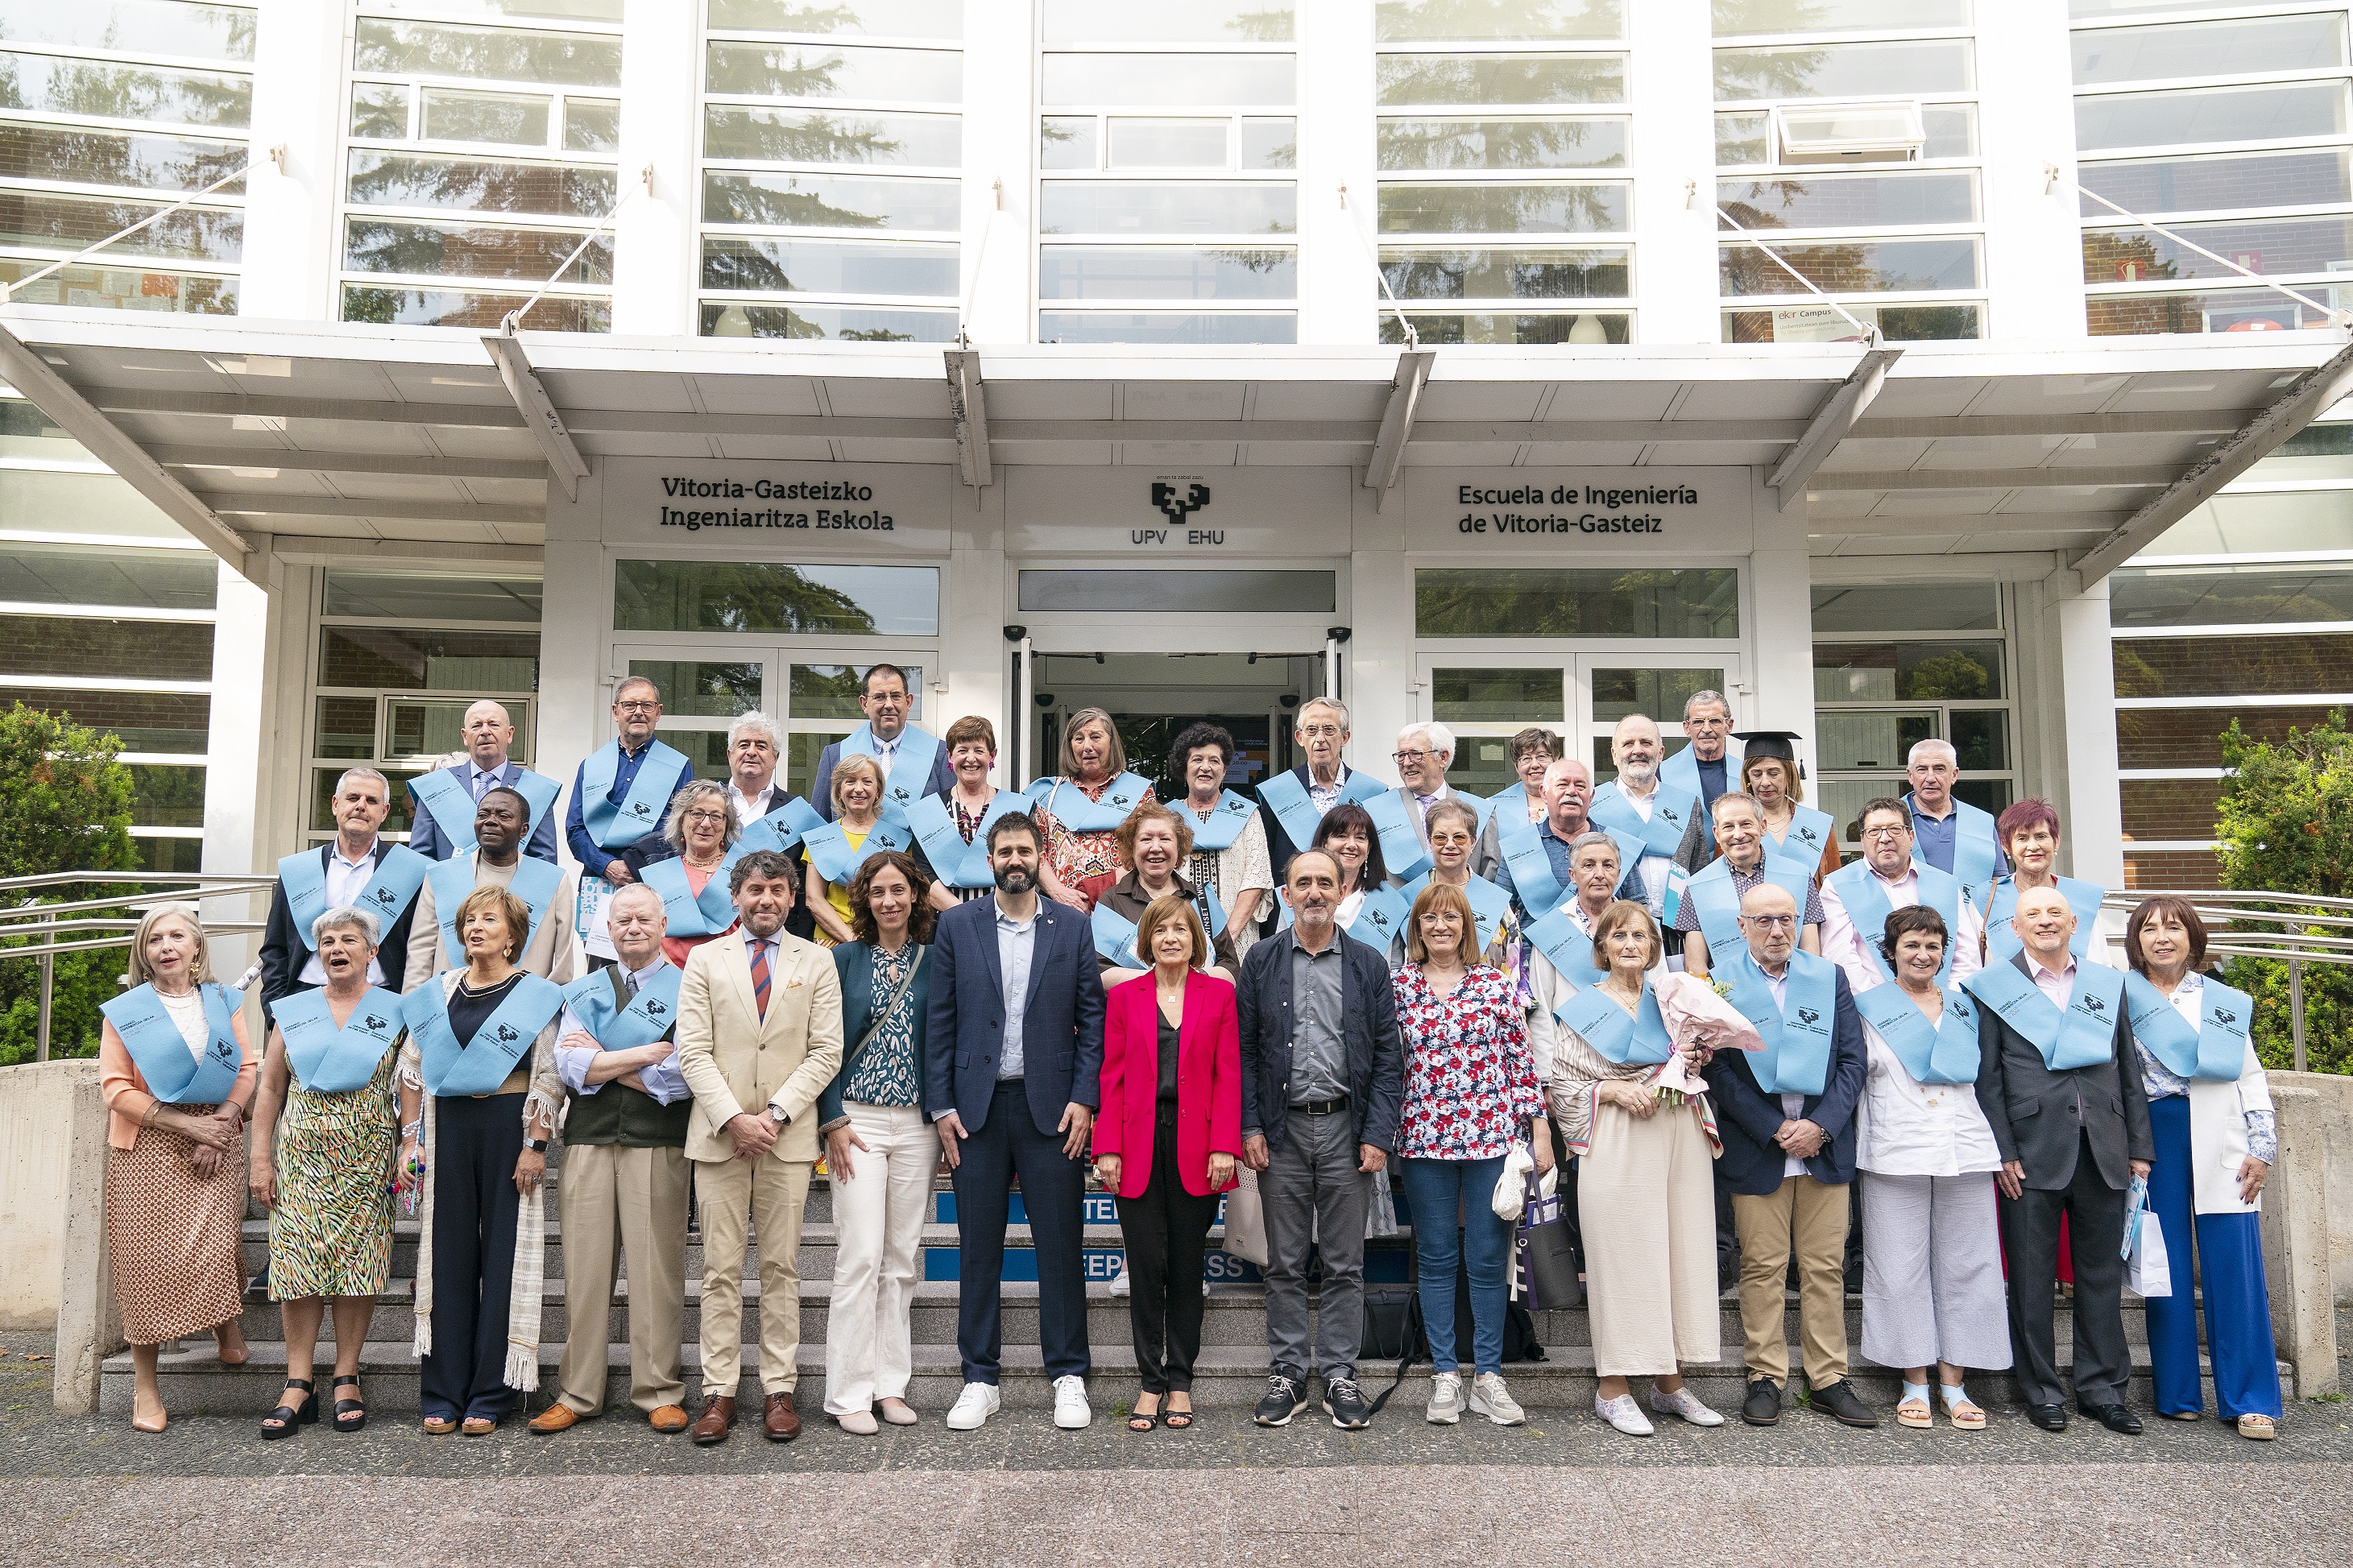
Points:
(975, 1405)
(1623, 1414)
(1682, 1402)
(1490, 1398)
(1119, 1285)
(1071, 1411)
(1445, 1399)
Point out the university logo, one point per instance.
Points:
(655, 1009)
(1175, 508)
(2094, 1004)
(373, 1024)
(381, 896)
(1809, 1016)
(507, 1035)
(2226, 1017)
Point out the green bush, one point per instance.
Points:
(64, 805)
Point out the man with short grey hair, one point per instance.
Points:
(1708, 766)
(359, 868)
(1424, 751)
(1664, 817)
(1293, 804)
(441, 818)
(1947, 831)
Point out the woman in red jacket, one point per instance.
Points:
(1167, 1141)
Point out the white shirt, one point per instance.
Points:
(662, 1081)
(347, 880)
(1326, 795)
(1846, 945)
(750, 808)
(1911, 1129)
(1016, 943)
(188, 1015)
(1793, 1106)
(1652, 869)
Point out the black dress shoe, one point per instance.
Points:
(1840, 1402)
(1763, 1405)
(2114, 1417)
(2050, 1417)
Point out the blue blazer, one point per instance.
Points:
(852, 962)
(425, 835)
(1061, 1027)
(822, 788)
(1746, 1117)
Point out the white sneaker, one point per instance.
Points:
(1445, 1399)
(1682, 1402)
(1071, 1411)
(1119, 1285)
(1490, 1398)
(975, 1405)
(1623, 1414)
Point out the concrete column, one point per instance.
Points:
(2026, 119)
(300, 48)
(2080, 739)
(1379, 681)
(90, 1329)
(575, 615)
(653, 235)
(1672, 92)
(1780, 677)
(2297, 1256)
(1000, 142)
(1340, 299)
(243, 734)
(974, 659)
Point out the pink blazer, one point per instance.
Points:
(1208, 1081)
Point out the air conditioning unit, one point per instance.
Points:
(1820, 133)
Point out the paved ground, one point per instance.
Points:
(90, 1490)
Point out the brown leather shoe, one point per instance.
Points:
(669, 1418)
(557, 1417)
(781, 1422)
(718, 1417)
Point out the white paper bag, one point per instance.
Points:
(2146, 1270)
(1246, 1220)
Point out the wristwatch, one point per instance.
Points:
(536, 1145)
(777, 1114)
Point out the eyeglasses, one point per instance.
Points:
(637, 707)
(1889, 831)
(1770, 922)
(1410, 756)
(1322, 732)
(718, 816)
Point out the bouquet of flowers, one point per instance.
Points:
(1700, 1020)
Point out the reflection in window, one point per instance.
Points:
(1852, 267)
(1844, 70)
(1488, 327)
(1436, 21)
(1907, 671)
(142, 721)
(1498, 696)
(1660, 693)
(1952, 607)
(89, 575)
(1213, 592)
(1164, 273)
(1575, 601)
(2156, 186)
(1499, 80)
(768, 597)
(1734, 18)
(2242, 46)
(704, 689)
(1507, 274)
(832, 690)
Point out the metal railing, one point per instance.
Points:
(87, 925)
(2228, 913)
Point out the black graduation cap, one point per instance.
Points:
(1781, 743)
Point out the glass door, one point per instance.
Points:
(1485, 699)
(809, 694)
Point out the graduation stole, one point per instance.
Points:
(174, 1074)
(1809, 834)
(2002, 941)
(781, 830)
(932, 821)
(1225, 823)
(1296, 809)
(1489, 904)
(399, 872)
(1565, 944)
(595, 999)
(2082, 1035)
(1639, 1038)
(1682, 770)
(2213, 1050)
(616, 827)
(1975, 854)
(1380, 918)
(1868, 906)
(443, 795)
(1116, 934)
(1945, 1051)
(1712, 893)
(477, 1066)
(690, 913)
(1079, 814)
(1797, 1035)
(536, 883)
(328, 1059)
(1402, 851)
(911, 766)
(1661, 832)
(828, 847)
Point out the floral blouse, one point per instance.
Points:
(1470, 1078)
(1087, 863)
(886, 1074)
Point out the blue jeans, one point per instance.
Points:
(1434, 1188)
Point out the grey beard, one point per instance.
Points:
(1638, 776)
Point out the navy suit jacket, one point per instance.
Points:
(425, 835)
(822, 788)
(584, 849)
(1368, 1025)
(284, 953)
(1061, 1025)
(1746, 1117)
(1279, 846)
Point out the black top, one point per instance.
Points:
(470, 1009)
(1167, 1059)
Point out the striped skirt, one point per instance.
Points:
(178, 1266)
(330, 1229)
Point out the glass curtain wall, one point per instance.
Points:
(110, 110)
(832, 151)
(479, 152)
(2230, 127)
(1168, 150)
(1895, 238)
(1505, 145)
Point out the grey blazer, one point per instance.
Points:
(2037, 1114)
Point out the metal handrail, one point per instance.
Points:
(2295, 947)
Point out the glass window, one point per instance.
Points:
(1622, 693)
(148, 27)
(70, 222)
(167, 794)
(830, 201)
(1171, 143)
(1907, 671)
(1486, 208)
(1142, 206)
(1879, 739)
(1844, 70)
(2274, 111)
(100, 504)
(467, 307)
(344, 727)
(1585, 327)
(767, 596)
(498, 54)
(1180, 22)
(1508, 274)
(1164, 273)
(1498, 696)
(61, 85)
(1851, 267)
(2285, 522)
(1897, 323)
(1575, 601)
(831, 136)
(2153, 186)
(2272, 245)
(143, 720)
(1851, 201)
(526, 254)
(425, 180)
(831, 690)
(1216, 592)
(1138, 326)
(379, 111)
(2169, 808)
(511, 119)
(427, 658)
(423, 728)
(2316, 452)
(828, 70)
(1270, 143)
(1067, 142)
(1938, 607)
(91, 156)
(592, 124)
(709, 688)
(2255, 665)
(828, 265)
(2175, 738)
(2242, 45)
(888, 18)
(2233, 310)
(1736, 17)
(1499, 78)
(1550, 143)
(401, 595)
(1129, 81)
(80, 574)
(838, 323)
(2229, 596)
(1415, 21)
(94, 646)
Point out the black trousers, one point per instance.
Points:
(2030, 1241)
(1053, 1195)
(1167, 1234)
(475, 1206)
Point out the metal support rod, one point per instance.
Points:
(48, 990)
(275, 155)
(1028, 707)
(2051, 176)
(1332, 668)
(1405, 325)
(513, 321)
(1870, 332)
(2296, 1005)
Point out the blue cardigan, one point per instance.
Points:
(853, 961)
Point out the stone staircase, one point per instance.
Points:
(1231, 1372)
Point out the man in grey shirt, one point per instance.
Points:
(1321, 1079)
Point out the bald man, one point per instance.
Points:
(1665, 817)
(442, 803)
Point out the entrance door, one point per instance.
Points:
(811, 694)
(1152, 697)
(1487, 698)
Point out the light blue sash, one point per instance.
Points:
(161, 1051)
(1403, 854)
(781, 830)
(1513, 802)
(536, 883)
(1080, 815)
(616, 827)
(481, 1065)
(959, 864)
(651, 1013)
(1295, 808)
(1483, 804)
(1114, 933)
(1226, 820)
(2002, 941)
(1809, 834)
(1565, 945)
(398, 875)
(2215, 1051)
(1944, 1052)
(1531, 864)
(329, 1061)
(1661, 832)
(828, 849)
(1489, 904)
(1380, 918)
(690, 913)
(1711, 892)
(1867, 905)
(911, 767)
(1975, 854)
(1797, 1037)
(1680, 771)
(2082, 1036)
(1616, 1033)
(444, 794)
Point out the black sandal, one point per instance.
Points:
(1144, 1421)
(351, 1415)
(1175, 1420)
(290, 1418)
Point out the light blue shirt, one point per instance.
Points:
(662, 1081)
(1016, 941)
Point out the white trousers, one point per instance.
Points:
(878, 1215)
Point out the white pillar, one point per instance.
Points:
(975, 658)
(654, 262)
(1340, 299)
(1781, 643)
(2026, 119)
(300, 50)
(574, 613)
(1378, 658)
(240, 736)
(2081, 773)
(1000, 141)
(1672, 92)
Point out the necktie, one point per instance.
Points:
(760, 976)
(482, 781)
(631, 982)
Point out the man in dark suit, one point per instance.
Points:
(1016, 1021)
(488, 732)
(1323, 1082)
(884, 698)
(2071, 1141)
(1321, 783)
(1787, 1121)
(358, 867)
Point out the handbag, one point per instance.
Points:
(1392, 1327)
(2147, 1270)
(1245, 1218)
(1547, 1249)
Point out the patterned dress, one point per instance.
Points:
(330, 1230)
(1470, 1076)
(885, 1073)
(1086, 863)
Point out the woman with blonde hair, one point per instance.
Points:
(835, 850)
(700, 829)
(178, 1078)
(1080, 809)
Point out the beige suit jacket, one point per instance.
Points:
(735, 1061)
(549, 954)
